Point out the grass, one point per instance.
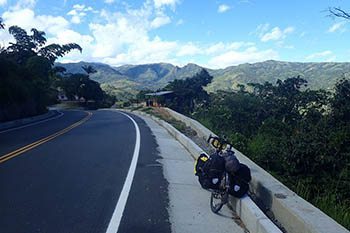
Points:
(69, 105)
(164, 115)
(327, 202)
(340, 212)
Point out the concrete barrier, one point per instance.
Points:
(253, 218)
(29, 120)
(292, 212)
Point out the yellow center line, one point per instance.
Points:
(28, 147)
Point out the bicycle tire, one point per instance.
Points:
(216, 207)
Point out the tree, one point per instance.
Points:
(284, 100)
(90, 90)
(89, 69)
(82, 86)
(27, 76)
(338, 12)
(341, 102)
(189, 93)
(2, 25)
(27, 46)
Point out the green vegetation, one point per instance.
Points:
(26, 74)
(164, 115)
(29, 82)
(123, 90)
(156, 76)
(323, 75)
(189, 93)
(299, 135)
(80, 86)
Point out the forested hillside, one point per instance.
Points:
(299, 135)
(319, 75)
(155, 76)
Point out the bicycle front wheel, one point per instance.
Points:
(216, 202)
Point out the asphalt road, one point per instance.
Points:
(71, 183)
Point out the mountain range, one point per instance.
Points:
(125, 81)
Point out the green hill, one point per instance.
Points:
(154, 76)
(319, 75)
(128, 79)
(104, 74)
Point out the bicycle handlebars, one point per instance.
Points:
(219, 143)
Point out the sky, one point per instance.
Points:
(210, 33)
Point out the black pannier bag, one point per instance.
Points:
(239, 182)
(210, 170)
(201, 160)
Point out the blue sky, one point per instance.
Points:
(211, 33)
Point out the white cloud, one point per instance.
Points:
(161, 3)
(189, 49)
(321, 56)
(78, 13)
(250, 55)
(109, 1)
(27, 19)
(288, 30)
(180, 22)
(223, 8)
(69, 36)
(239, 45)
(127, 37)
(76, 19)
(221, 47)
(281, 44)
(216, 48)
(337, 27)
(72, 12)
(147, 51)
(79, 7)
(261, 30)
(3, 2)
(22, 4)
(118, 38)
(5, 38)
(127, 34)
(160, 21)
(276, 34)
(56, 28)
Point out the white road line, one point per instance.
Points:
(113, 225)
(35, 123)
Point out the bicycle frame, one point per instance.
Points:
(220, 195)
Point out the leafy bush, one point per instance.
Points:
(299, 135)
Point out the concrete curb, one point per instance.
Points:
(29, 120)
(294, 213)
(254, 219)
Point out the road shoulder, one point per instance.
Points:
(9, 125)
(189, 209)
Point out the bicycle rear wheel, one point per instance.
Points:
(216, 201)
